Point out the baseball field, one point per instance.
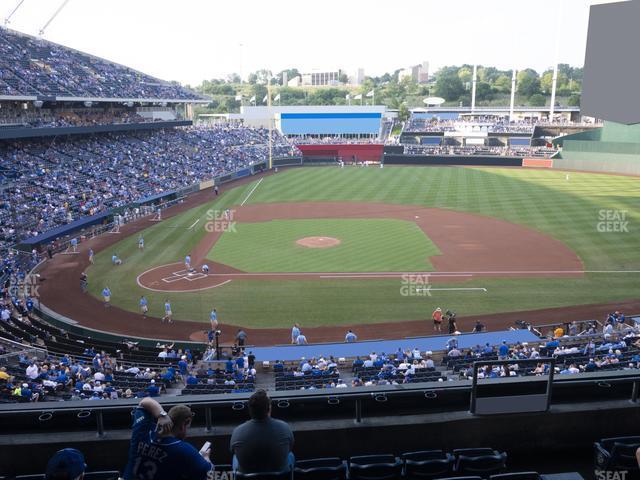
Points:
(326, 246)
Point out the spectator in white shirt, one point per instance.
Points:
(32, 371)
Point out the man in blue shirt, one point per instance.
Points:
(153, 389)
(350, 337)
(295, 332)
(183, 365)
(158, 450)
(503, 351)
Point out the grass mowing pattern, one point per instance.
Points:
(368, 245)
(541, 199)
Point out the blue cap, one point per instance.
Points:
(66, 464)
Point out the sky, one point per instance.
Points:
(193, 40)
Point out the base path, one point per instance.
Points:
(471, 246)
(60, 290)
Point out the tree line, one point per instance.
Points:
(453, 83)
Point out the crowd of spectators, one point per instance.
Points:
(489, 125)
(53, 182)
(33, 66)
(15, 117)
(576, 348)
(40, 371)
(513, 151)
(333, 140)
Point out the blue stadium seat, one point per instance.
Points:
(427, 464)
(516, 476)
(461, 478)
(479, 461)
(332, 468)
(618, 453)
(375, 467)
(284, 475)
(101, 475)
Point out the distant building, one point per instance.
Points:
(418, 73)
(358, 77)
(295, 81)
(321, 78)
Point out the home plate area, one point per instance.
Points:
(184, 275)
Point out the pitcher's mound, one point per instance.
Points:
(318, 242)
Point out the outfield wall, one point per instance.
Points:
(614, 148)
(360, 152)
(493, 161)
(599, 162)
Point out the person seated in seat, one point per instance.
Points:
(66, 464)
(262, 444)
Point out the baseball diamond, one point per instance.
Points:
(498, 244)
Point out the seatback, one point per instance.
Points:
(284, 475)
(516, 476)
(427, 464)
(375, 467)
(480, 462)
(331, 468)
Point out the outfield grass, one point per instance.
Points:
(367, 245)
(541, 199)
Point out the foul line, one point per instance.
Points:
(178, 291)
(252, 190)
(392, 275)
(469, 289)
(193, 224)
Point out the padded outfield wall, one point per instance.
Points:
(614, 148)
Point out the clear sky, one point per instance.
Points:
(192, 40)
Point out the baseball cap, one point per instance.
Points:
(66, 464)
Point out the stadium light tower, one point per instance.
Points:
(240, 45)
(513, 94)
(55, 14)
(7, 19)
(474, 81)
(270, 165)
(554, 80)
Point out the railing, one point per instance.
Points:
(355, 404)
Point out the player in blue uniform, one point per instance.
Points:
(158, 450)
(213, 317)
(106, 296)
(168, 314)
(141, 242)
(144, 306)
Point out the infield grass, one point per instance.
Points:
(367, 245)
